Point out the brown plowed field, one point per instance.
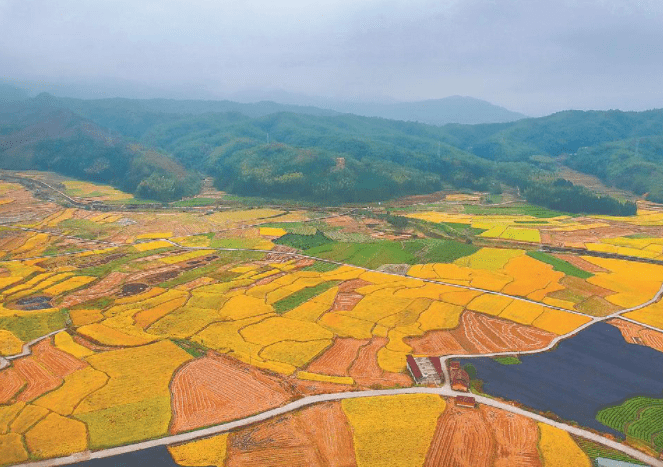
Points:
(109, 285)
(311, 388)
(635, 334)
(436, 343)
(366, 371)
(337, 359)
(478, 333)
(10, 383)
(216, 389)
(485, 334)
(39, 379)
(461, 439)
(315, 436)
(267, 280)
(60, 363)
(516, 437)
(346, 301)
(352, 285)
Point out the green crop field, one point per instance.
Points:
(294, 300)
(639, 417)
(560, 265)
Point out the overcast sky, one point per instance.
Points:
(532, 56)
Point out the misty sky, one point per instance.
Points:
(532, 56)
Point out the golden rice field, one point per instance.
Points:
(559, 450)
(393, 430)
(207, 451)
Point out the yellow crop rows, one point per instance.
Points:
(393, 430)
(9, 343)
(56, 436)
(28, 417)
(651, 315)
(12, 449)
(206, 451)
(76, 387)
(559, 450)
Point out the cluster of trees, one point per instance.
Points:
(562, 195)
(145, 173)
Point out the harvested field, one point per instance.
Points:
(60, 363)
(315, 436)
(635, 334)
(366, 371)
(436, 343)
(310, 388)
(584, 288)
(461, 439)
(580, 263)
(216, 388)
(479, 333)
(91, 345)
(105, 287)
(336, 361)
(39, 379)
(10, 383)
(516, 438)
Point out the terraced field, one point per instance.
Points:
(164, 322)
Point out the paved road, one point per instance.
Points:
(310, 400)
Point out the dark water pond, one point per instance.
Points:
(592, 370)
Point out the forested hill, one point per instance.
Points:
(335, 158)
(39, 134)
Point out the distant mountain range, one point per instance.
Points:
(454, 109)
(157, 147)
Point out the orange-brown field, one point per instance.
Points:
(216, 389)
(336, 361)
(366, 371)
(315, 436)
(39, 380)
(479, 334)
(636, 334)
(10, 383)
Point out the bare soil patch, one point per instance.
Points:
(10, 383)
(39, 379)
(216, 388)
(336, 361)
(366, 371)
(58, 362)
(107, 286)
(479, 333)
(461, 439)
(516, 438)
(315, 436)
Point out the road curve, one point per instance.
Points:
(311, 400)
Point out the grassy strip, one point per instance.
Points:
(195, 202)
(194, 349)
(508, 360)
(321, 266)
(294, 300)
(560, 265)
(522, 210)
(304, 242)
